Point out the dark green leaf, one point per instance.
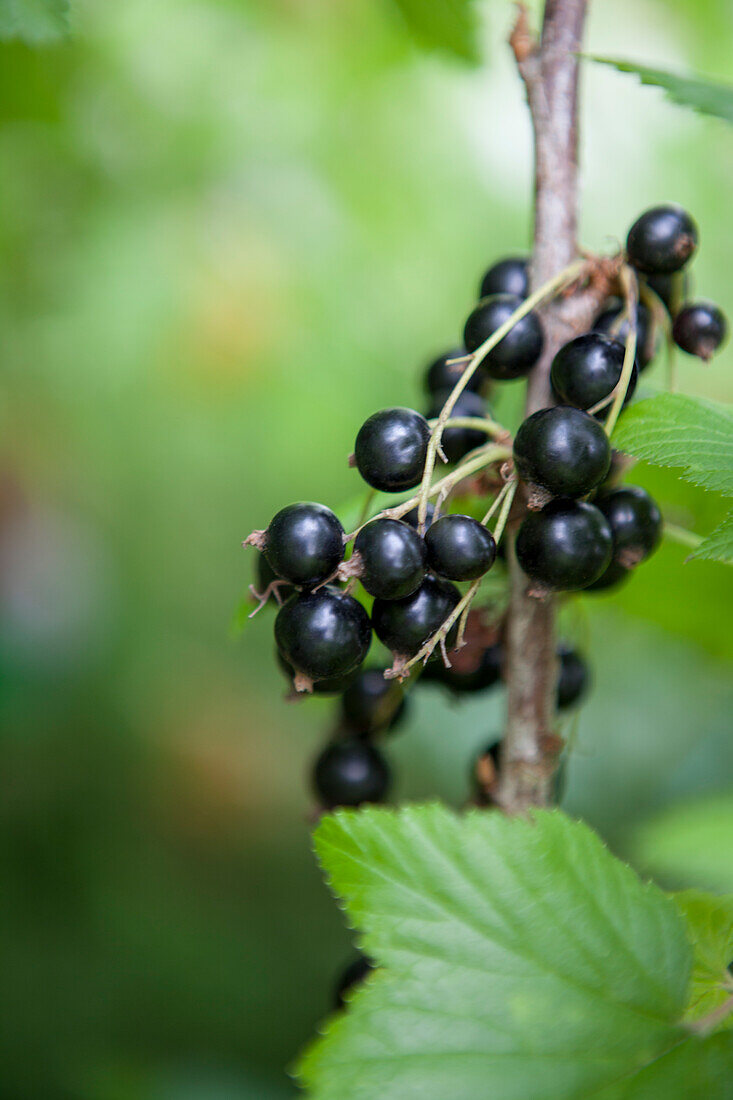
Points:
(448, 25)
(34, 21)
(705, 96)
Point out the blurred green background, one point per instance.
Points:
(230, 230)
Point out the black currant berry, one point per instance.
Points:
(573, 678)
(699, 329)
(636, 523)
(304, 543)
(661, 240)
(323, 634)
(613, 323)
(405, 625)
(373, 704)
(520, 349)
(460, 548)
(442, 375)
(265, 575)
(469, 671)
(353, 975)
(390, 449)
(612, 577)
(392, 558)
(563, 450)
(566, 546)
(334, 685)
(411, 516)
(586, 370)
(672, 289)
(510, 276)
(457, 442)
(348, 773)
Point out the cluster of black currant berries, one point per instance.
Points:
(580, 528)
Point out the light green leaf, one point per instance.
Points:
(448, 25)
(705, 96)
(685, 432)
(718, 546)
(710, 928)
(517, 958)
(691, 843)
(36, 22)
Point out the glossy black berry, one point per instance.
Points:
(661, 240)
(510, 276)
(699, 329)
(573, 677)
(348, 773)
(411, 516)
(352, 976)
(442, 375)
(586, 370)
(304, 543)
(392, 558)
(564, 450)
(390, 449)
(636, 523)
(460, 548)
(672, 289)
(405, 625)
(612, 577)
(334, 685)
(323, 634)
(265, 575)
(520, 349)
(613, 323)
(566, 546)
(470, 671)
(457, 442)
(373, 704)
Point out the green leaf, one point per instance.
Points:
(689, 844)
(718, 546)
(685, 432)
(36, 22)
(448, 25)
(710, 928)
(517, 958)
(705, 96)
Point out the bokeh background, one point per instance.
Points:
(230, 230)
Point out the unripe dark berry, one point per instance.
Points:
(586, 370)
(612, 577)
(405, 625)
(573, 677)
(520, 349)
(563, 450)
(460, 548)
(348, 773)
(442, 375)
(265, 575)
(323, 634)
(636, 523)
(392, 558)
(390, 449)
(510, 276)
(565, 546)
(661, 240)
(699, 329)
(333, 685)
(372, 704)
(353, 975)
(411, 516)
(477, 671)
(612, 323)
(304, 543)
(457, 442)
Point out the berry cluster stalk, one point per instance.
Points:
(549, 69)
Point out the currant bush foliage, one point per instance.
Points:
(515, 958)
(34, 21)
(705, 96)
(447, 25)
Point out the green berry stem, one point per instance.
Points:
(511, 488)
(496, 503)
(549, 289)
(478, 423)
(631, 297)
(683, 536)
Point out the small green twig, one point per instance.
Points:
(683, 536)
(631, 295)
